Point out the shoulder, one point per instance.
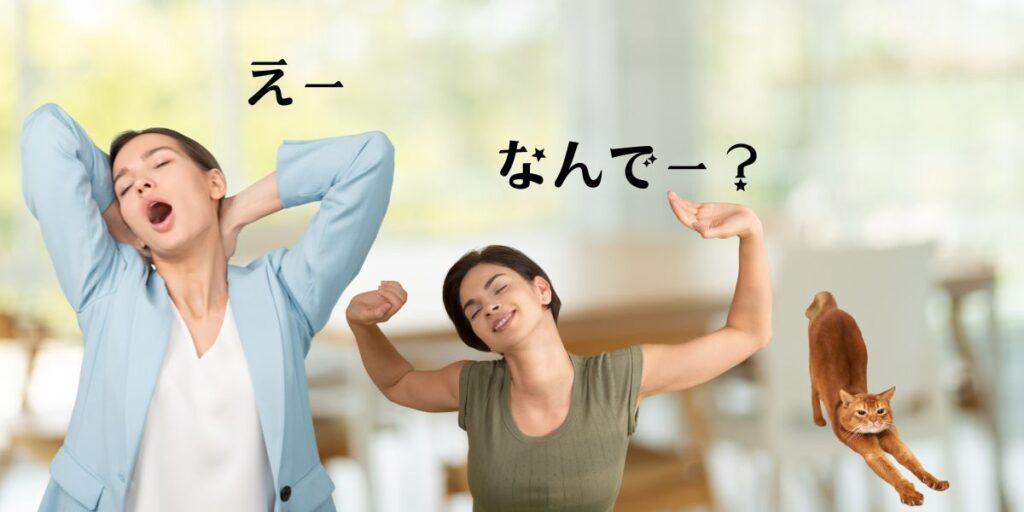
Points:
(262, 278)
(612, 374)
(615, 363)
(477, 374)
(267, 264)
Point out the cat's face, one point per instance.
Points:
(865, 413)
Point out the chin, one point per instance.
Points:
(501, 347)
(173, 247)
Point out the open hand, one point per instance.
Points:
(376, 306)
(715, 220)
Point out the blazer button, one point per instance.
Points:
(286, 492)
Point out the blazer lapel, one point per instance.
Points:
(252, 304)
(151, 323)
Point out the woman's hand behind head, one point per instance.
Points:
(376, 306)
(122, 233)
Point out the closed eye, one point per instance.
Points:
(161, 164)
(477, 311)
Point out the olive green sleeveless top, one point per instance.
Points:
(577, 467)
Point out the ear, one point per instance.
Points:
(887, 394)
(218, 185)
(545, 289)
(845, 397)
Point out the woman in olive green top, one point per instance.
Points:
(547, 429)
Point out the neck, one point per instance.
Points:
(540, 369)
(196, 279)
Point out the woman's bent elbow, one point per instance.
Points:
(381, 145)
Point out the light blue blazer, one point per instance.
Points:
(280, 301)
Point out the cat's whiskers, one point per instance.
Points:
(849, 434)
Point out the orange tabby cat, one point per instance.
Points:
(861, 420)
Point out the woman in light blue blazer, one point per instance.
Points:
(121, 282)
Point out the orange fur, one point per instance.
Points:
(861, 420)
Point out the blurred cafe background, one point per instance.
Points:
(888, 171)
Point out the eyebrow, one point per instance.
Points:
(487, 285)
(145, 155)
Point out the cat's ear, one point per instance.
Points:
(887, 394)
(845, 397)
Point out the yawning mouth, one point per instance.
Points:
(158, 211)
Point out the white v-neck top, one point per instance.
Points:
(202, 447)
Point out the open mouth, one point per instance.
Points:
(158, 212)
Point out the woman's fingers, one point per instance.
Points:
(710, 220)
(686, 204)
(395, 284)
(391, 297)
(396, 287)
(686, 211)
(395, 291)
(724, 220)
(374, 306)
(387, 310)
(369, 307)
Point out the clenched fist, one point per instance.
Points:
(377, 306)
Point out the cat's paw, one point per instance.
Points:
(819, 422)
(938, 485)
(910, 496)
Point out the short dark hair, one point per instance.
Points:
(194, 150)
(498, 255)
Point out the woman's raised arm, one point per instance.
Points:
(66, 184)
(431, 391)
(351, 177)
(748, 326)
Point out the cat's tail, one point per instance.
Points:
(823, 301)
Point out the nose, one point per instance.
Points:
(141, 186)
(494, 307)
